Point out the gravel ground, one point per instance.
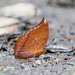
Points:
(61, 27)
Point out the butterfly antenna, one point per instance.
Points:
(50, 42)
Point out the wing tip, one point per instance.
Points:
(43, 21)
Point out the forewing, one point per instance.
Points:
(32, 43)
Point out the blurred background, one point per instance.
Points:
(59, 13)
(17, 16)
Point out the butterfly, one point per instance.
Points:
(33, 42)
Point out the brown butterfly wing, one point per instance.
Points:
(32, 43)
